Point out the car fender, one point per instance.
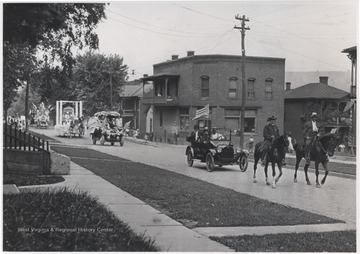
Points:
(213, 151)
(191, 149)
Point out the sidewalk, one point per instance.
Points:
(169, 235)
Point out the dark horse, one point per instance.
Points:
(320, 150)
(274, 156)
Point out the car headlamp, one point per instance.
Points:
(219, 149)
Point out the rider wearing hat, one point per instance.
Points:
(311, 131)
(270, 133)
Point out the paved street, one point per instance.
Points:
(335, 199)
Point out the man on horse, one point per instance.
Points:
(270, 133)
(312, 130)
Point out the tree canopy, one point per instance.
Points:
(54, 29)
(95, 76)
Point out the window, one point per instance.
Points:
(184, 119)
(268, 89)
(128, 104)
(233, 87)
(251, 88)
(233, 119)
(205, 89)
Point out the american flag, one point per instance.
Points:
(202, 112)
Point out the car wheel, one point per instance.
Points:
(94, 140)
(210, 162)
(112, 143)
(189, 158)
(121, 142)
(243, 163)
(102, 140)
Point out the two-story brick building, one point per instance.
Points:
(183, 85)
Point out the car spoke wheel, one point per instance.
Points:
(189, 157)
(243, 163)
(209, 162)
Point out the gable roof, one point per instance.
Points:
(316, 91)
(135, 89)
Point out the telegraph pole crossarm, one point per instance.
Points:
(243, 100)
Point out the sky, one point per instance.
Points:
(309, 34)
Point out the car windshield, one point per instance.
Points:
(220, 135)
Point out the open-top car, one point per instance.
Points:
(215, 148)
(105, 127)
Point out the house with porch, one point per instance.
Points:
(131, 96)
(183, 85)
(332, 105)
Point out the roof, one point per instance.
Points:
(349, 50)
(316, 91)
(135, 89)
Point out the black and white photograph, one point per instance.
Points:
(180, 126)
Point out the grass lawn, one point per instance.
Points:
(193, 202)
(65, 221)
(339, 241)
(26, 179)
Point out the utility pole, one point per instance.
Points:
(243, 100)
(111, 93)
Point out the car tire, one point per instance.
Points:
(210, 162)
(94, 140)
(121, 142)
(189, 158)
(112, 143)
(243, 163)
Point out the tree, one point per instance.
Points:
(55, 29)
(94, 76)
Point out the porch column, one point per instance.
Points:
(166, 87)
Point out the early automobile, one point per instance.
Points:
(106, 127)
(215, 148)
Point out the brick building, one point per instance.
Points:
(183, 85)
(331, 104)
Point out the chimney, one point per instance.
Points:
(288, 86)
(174, 57)
(324, 80)
(190, 53)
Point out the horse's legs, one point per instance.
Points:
(326, 171)
(317, 174)
(273, 175)
(256, 157)
(266, 173)
(306, 174)
(298, 159)
(280, 172)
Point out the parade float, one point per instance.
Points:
(40, 116)
(69, 119)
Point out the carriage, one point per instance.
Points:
(216, 148)
(105, 126)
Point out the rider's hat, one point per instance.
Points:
(314, 114)
(271, 118)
